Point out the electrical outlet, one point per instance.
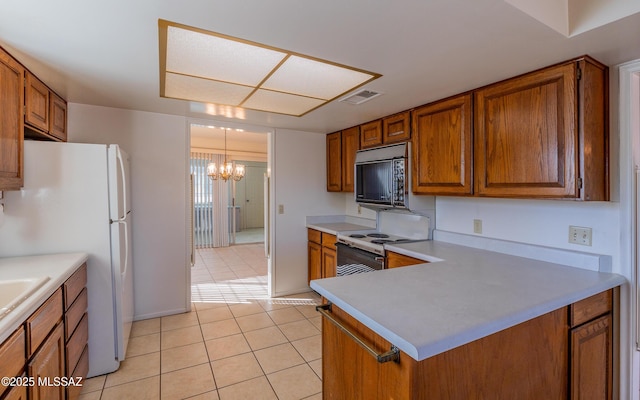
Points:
(580, 235)
(477, 226)
(359, 209)
(280, 208)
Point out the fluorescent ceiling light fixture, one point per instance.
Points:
(208, 67)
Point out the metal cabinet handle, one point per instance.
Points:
(391, 355)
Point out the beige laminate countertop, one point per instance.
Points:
(57, 267)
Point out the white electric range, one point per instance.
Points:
(363, 251)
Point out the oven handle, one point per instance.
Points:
(391, 355)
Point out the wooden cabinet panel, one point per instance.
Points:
(371, 134)
(590, 308)
(12, 354)
(16, 393)
(314, 261)
(37, 97)
(40, 323)
(11, 122)
(321, 254)
(329, 264)
(442, 147)
(58, 117)
(314, 235)
(48, 362)
(591, 360)
(350, 145)
(528, 361)
(74, 285)
(544, 134)
(74, 314)
(396, 128)
(82, 369)
(334, 162)
(395, 260)
(76, 345)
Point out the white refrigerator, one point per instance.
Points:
(76, 198)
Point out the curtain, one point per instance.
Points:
(211, 222)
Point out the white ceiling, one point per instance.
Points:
(106, 53)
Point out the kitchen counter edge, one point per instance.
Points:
(348, 300)
(58, 267)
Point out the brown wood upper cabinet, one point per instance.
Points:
(11, 122)
(350, 145)
(371, 134)
(341, 157)
(442, 147)
(334, 162)
(45, 112)
(544, 134)
(396, 128)
(36, 103)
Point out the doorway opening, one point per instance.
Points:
(230, 212)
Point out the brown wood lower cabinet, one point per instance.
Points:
(50, 346)
(46, 366)
(543, 358)
(395, 260)
(321, 254)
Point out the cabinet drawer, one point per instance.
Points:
(77, 343)
(74, 285)
(74, 314)
(329, 240)
(41, 322)
(590, 308)
(82, 369)
(314, 235)
(12, 356)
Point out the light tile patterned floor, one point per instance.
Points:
(235, 344)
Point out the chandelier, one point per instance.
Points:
(228, 169)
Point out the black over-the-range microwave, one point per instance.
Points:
(382, 176)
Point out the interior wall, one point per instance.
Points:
(298, 171)
(157, 145)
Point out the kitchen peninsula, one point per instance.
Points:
(469, 324)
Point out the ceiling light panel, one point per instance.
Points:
(282, 103)
(205, 90)
(312, 78)
(209, 67)
(213, 57)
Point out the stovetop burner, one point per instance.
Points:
(357, 235)
(378, 235)
(381, 241)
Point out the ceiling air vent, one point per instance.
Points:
(360, 97)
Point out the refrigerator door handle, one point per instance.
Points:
(123, 273)
(124, 185)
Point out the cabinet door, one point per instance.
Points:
(442, 147)
(329, 260)
(48, 363)
(395, 260)
(334, 162)
(314, 260)
(11, 122)
(396, 128)
(591, 360)
(36, 103)
(58, 117)
(526, 135)
(350, 145)
(371, 134)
